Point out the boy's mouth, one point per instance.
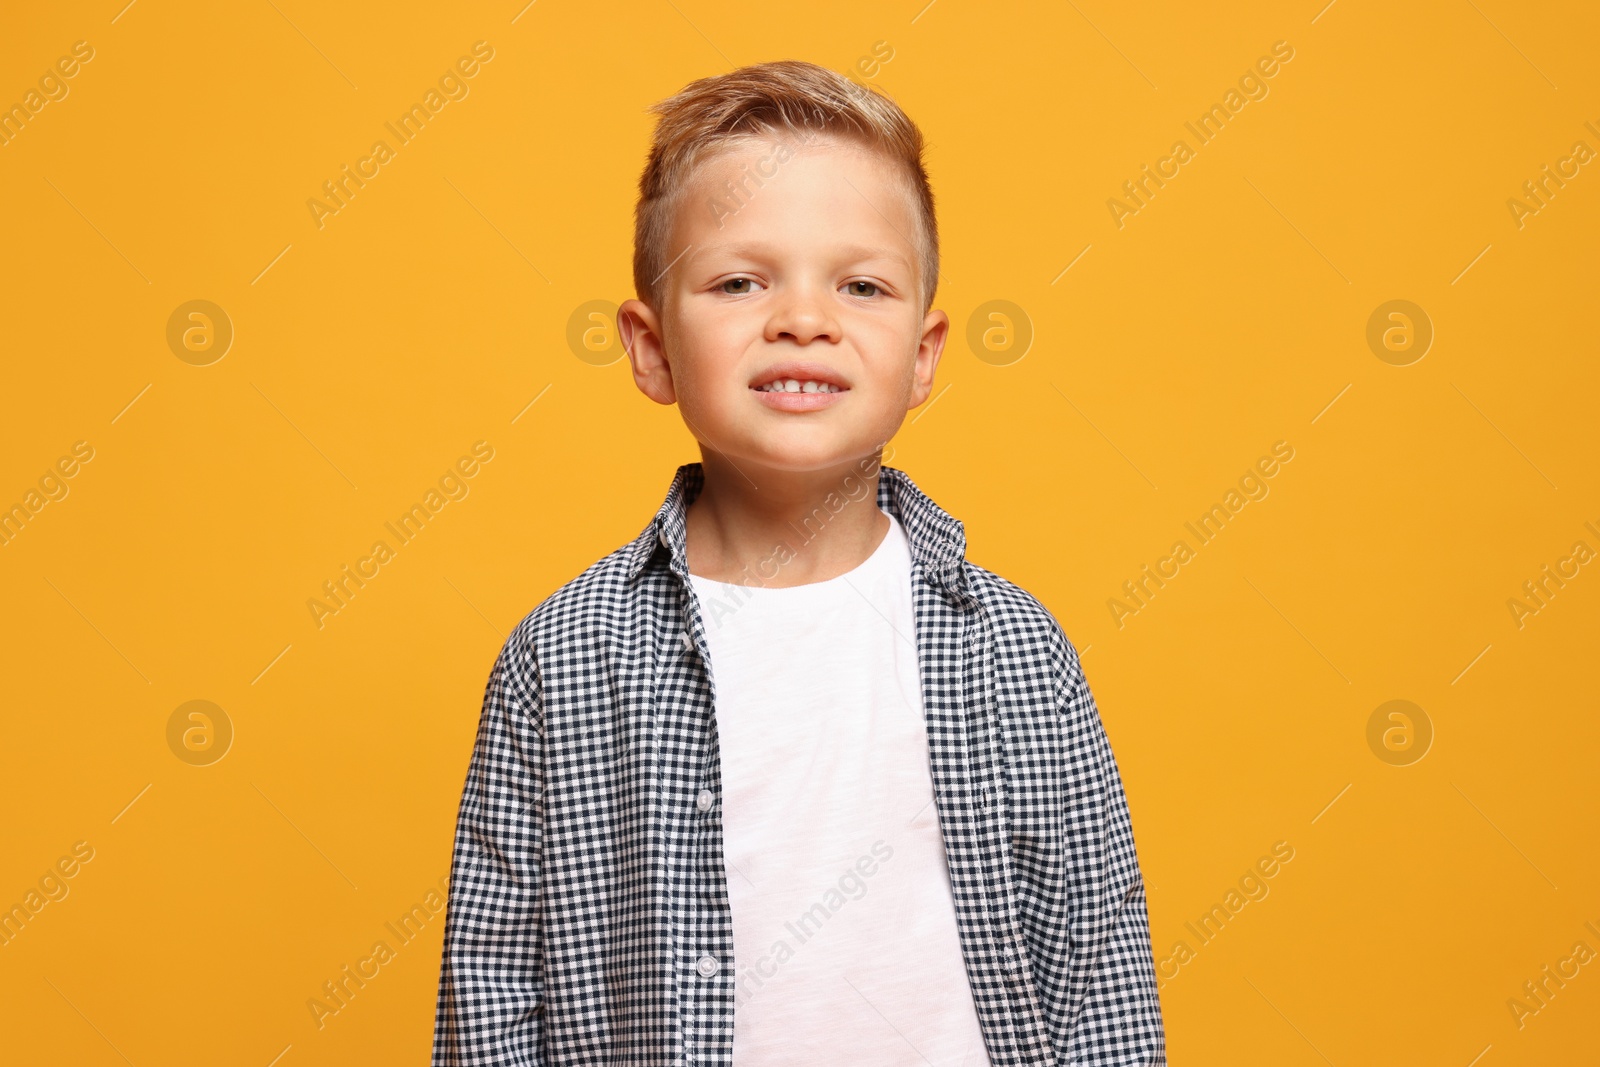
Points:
(799, 377)
(795, 385)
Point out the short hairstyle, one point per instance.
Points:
(739, 107)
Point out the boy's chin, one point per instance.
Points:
(807, 457)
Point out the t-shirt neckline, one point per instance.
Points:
(875, 558)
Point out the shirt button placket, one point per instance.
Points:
(707, 965)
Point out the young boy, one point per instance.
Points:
(787, 780)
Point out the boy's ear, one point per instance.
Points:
(935, 329)
(640, 328)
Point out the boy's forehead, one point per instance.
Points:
(762, 181)
(755, 246)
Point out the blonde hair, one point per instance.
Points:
(738, 107)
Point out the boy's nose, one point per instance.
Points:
(803, 315)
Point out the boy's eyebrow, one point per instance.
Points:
(851, 252)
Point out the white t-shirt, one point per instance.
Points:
(844, 929)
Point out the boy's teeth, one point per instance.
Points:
(798, 385)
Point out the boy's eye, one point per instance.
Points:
(854, 291)
(746, 282)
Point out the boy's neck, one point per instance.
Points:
(782, 528)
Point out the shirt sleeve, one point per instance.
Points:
(491, 990)
(1115, 1005)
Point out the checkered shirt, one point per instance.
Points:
(589, 919)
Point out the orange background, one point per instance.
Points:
(1229, 313)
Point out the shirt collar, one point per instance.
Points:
(938, 540)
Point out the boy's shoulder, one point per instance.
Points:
(599, 595)
(594, 609)
(1020, 622)
(604, 591)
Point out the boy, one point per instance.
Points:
(787, 780)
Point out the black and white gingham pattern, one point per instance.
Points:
(589, 919)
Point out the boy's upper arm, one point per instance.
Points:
(505, 778)
(1117, 1011)
(1098, 780)
(491, 984)
(503, 799)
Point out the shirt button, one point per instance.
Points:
(703, 801)
(707, 966)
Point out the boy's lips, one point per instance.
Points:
(800, 371)
(797, 401)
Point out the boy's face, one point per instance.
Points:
(810, 275)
